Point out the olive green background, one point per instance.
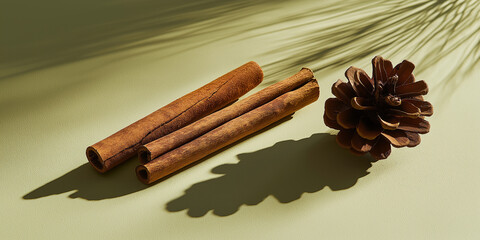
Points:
(74, 72)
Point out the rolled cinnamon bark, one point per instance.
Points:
(123, 144)
(186, 134)
(228, 133)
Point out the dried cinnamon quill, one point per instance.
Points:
(123, 144)
(232, 130)
(175, 139)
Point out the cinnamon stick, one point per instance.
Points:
(123, 144)
(186, 134)
(228, 133)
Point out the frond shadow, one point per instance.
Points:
(346, 32)
(40, 34)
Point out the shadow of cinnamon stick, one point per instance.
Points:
(90, 185)
(286, 171)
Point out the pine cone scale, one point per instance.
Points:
(333, 106)
(410, 109)
(389, 124)
(412, 89)
(362, 77)
(417, 125)
(360, 103)
(404, 71)
(331, 123)
(397, 138)
(380, 73)
(352, 75)
(414, 139)
(400, 113)
(348, 119)
(361, 144)
(381, 149)
(344, 138)
(368, 129)
(343, 91)
(425, 107)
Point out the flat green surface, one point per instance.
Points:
(73, 73)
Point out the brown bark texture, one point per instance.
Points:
(215, 95)
(228, 133)
(186, 134)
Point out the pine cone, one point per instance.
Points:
(374, 113)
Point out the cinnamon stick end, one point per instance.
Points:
(256, 66)
(308, 70)
(143, 174)
(95, 159)
(144, 155)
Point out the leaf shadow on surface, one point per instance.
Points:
(328, 35)
(345, 32)
(285, 171)
(41, 34)
(37, 37)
